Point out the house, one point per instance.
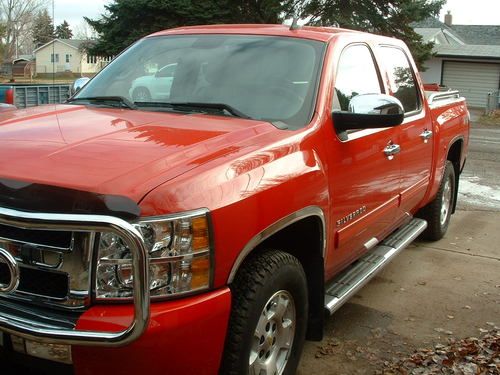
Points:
(67, 55)
(19, 66)
(467, 58)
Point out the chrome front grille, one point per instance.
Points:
(75, 262)
(55, 266)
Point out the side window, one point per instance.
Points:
(356, 75)
(401, 78)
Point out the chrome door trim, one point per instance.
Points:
(276, 227)
(85, 223)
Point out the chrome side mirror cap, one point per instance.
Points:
(369, 111)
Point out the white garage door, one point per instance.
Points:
(473, 80)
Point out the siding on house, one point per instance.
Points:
(44, 63)
(67, 58)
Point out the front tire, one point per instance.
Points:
(141, 94)
(268, 318)
(438, 212)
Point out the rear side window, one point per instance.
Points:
(356, 75)
(401, 78)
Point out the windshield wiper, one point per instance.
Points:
(197, 106)
(102, 99)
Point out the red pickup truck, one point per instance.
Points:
(208, 229)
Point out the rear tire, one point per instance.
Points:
(268, 318)
(438, 212)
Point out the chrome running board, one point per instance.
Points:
(349, 281)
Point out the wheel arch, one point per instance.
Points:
(303, 235)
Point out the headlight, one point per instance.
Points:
(179, 257)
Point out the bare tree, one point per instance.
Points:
(85, 32)
(17, 16)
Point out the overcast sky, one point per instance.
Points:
(481, 12)
(74, 10)
(476, 12)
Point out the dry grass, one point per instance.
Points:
(491, 119)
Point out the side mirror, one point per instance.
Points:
(78, 85)
(369, 111)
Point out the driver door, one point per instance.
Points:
(364, 180)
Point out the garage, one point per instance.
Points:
(473, 79)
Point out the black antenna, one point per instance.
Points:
(53, 49)
(295, 24)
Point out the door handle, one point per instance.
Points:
(392, 150)
(426, 135)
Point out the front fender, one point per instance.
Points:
(245, 196)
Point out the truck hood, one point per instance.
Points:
(113, 151)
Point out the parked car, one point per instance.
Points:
(209, 232)
(155, 86)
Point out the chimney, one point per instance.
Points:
(448, 19)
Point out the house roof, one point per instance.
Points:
(478, 34)
(470, 34)
(439, 36)
(469, 51)
(428, 33)
(465, 41)
(76, 43)
(73, 43)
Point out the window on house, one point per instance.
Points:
(54, 58)
(68, 57)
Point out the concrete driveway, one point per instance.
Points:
(432, 292)
(429, 293)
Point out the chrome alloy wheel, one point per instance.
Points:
(273, 336)
(445, 202)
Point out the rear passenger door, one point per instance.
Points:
(415, 134)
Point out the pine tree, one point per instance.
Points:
(63, 31)
(386, 17)
(43, 28)
(147, 16)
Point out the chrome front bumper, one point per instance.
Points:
(35, 331)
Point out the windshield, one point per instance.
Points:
(263, 77)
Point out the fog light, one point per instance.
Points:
(53, 352)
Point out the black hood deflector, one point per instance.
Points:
(26, 196)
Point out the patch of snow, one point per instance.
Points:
(472, 191)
